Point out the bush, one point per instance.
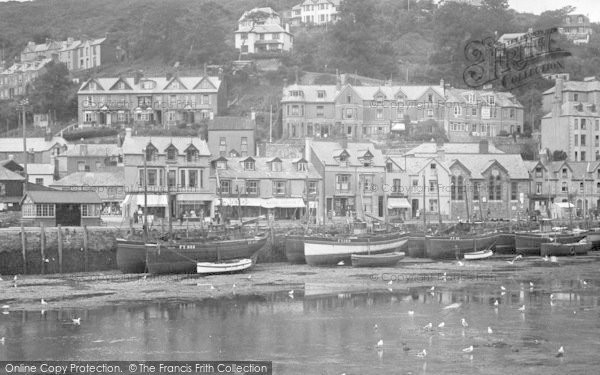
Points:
(503, 133)
(90, 133)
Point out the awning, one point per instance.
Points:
(398, 203)
(284, 203)
(260, 202)
(154, 200)
(195, 197)
(234, 202)
(313, 204)
(564, 205)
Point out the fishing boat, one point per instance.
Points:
(228, 266)
(131, 255)
(565, 249)
(182, 256)
(505, 243)
(416, 246)
(476, 255)
(377, 260)
(335, 249)
(593, 236)
(529, 243)
(452, 247)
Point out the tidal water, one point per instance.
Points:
(318, 333)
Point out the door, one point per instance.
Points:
(415, 207)
(68, 214)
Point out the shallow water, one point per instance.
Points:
(317, 332)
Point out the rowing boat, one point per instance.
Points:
(475, 255)
(230, 266)
(376, 260)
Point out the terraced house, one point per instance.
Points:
(153, 101)
(277, 187)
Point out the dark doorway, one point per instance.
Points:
(415, 207)
(68, 215)
(380, 206)
(159, 117)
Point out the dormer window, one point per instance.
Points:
(276, 166)
(151, 153)
(321, 94)
(296, 93)
(564, 173)
(222, 164)
(171, 153)
(302, 167)
(121, 86)
(191, 154)
(389, 167)
(432, 166)
(148, 85)
(249, 165)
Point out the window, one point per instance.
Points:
(576, 124)
(348, 98)
(302, 167)
(495, 188)
(457, 111)
(430, 113)
(432, 185)
(249, 165)
(379, 113)
(222, 146)
(320, 111)
(582, 142)
(152, 177)
(564, 173)
(171, 178)
(342, 182)
(191, 155)
(474, 111)
(278, 187)
(538, 188)
(244, 146)
(538, 172)
(221, 164)
(150, 153)
(582, 155)
(312, 187)
(171, 154)
(367, 182)
(205, 99)
(476, 189)
(433, 205)
(582, 124)
(182, 178)
(430, 98)
(598, 187)
(581, 187)
(320, 94)
(457, 188)
(252, 187)
(389, 167)
(295, 110)
(564, 187)
(397, 185)
(576, 140)
(348, 113)
(432, 166)
(514, 189)
(39, 181)
(44, 210)
(81, 166)
(276, 166)
(597, 141)
(491, 100)
(90, 210)
(192, 178)
(225, 186)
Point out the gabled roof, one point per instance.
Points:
(231, 123)
(502, 99)
(431, 148)
(328, 151)
(191, 84)
(262, 170)
(60, 196)
(135, 144)
(479, 163)
(310, 93)
(6, 175)
(115, 177)
(38, 144)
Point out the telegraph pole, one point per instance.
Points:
(23, 104)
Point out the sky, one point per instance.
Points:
(590, 8)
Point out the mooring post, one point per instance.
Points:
(60, 249)
(24, 247)
(43, 247)
(85, 248)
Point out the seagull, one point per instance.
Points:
(375, 327)
(428, 326)
(44, 302)
(379, 343)
(15, 278)
(1, 279)
(441, 325)
(515, 259)
(2, 340)
(249, 277)
(584, 282)
(76, 321)
(390, 282)
(464, 323)
(531, 284)
(490, 330)
(561, 352)
(460, 263)
(502, 287)
(341, 263)
(502, 293)
(144, 277)
(422, 354)
(444, 277)
(42, 312)
(46, 260)
(522, 308)
(212, 287)
(552, 296)
(432, 289)
(545, 258)
(553, 259)
(496, 303)
(233, 286)
(411, 313)
(468, 350)
(6, 306)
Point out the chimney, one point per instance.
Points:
(338, 80)
(138, 76)
(287, 27)
(440, 151)
(205, 70)
(544, 156)
(169, 76)
(443, 85)
(48, 135)
(69, 41)
(30, 44)
(558, 98)
(128, 132)
(343, 79)
(344, 142)
(253, 115)
(484, 146)
(307, 149)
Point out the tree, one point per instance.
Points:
(559, 155)
(53, 91)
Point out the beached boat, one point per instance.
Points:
(332, 250)
(131, 256)
(593, 236)
(451, 247)
(416, 246)
(505, 243)
(529, 243)
(565, 249)
(475, 255)
(228, 266)
(182, 256)
(377, 260)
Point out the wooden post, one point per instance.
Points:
(85, 248)
(43, 247)
(60, 248)
(24, 247)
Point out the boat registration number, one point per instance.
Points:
(343, 240)
(187, 246)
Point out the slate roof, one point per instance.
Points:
(40, 169)
(577, 86)
(189, 85)
(93, 150)
(113, 178)
(328, 151)
(26, 66)
(262, 169)
(231, 123)
(414, 165)
(430, 148)
(59, 196)
(266, 28)
(134, 145)
(37, 144)
(502, 99)
(310, 93)
(6, 175)
(570, 109)
(479, 163)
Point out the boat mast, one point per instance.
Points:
(508, 203)
(439, 205)
(169, 204)
(424, 218)
(145, 156)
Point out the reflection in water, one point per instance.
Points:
(316, 333)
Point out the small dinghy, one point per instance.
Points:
(565, 249)
(475, 255)
(229, 266)
(376, 260)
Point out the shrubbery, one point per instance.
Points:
(90, 133)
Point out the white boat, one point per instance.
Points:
(474, 255)
(229, 266)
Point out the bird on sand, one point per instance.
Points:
(432, 289)
(341, 263)
(6, 307)
(561, 352)
(375, 327)
(553, 259)
(2, 340)
(249, 277)
(496, 303)
(464, 323)
(468, 350)
(379, 343)
(490, 330)
(428, 326)
(515, 259)
(522, 308)
(411, 313)
(502, 287)
(43, 302)
(212, 287)
(441, 325)
(76, 321)
(422, 354)
(15, 278)
(390, 282)
(531, 284)
(460, 263)
(545, 258)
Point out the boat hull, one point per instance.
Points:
(209, 268)
(530, 243)
(594, 239)
(564, 249)
(416, 247)
(294, 249)
(453, 247)
(331, 251)
(180, 257)
(479, 255)
(505, 243)
(378, 260)
(131, 256)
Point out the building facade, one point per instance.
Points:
(274, 187)
(577, 28)
(231, 136)
(260, 30)
(16, 80)
(174, 170)
(319, 12)
(89, 158)
(42, 150)
(159, 101)
(66, 208)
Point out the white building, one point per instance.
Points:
(319, 12)
(260, 30)
(40, 174)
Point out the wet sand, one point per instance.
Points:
(87, 290)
